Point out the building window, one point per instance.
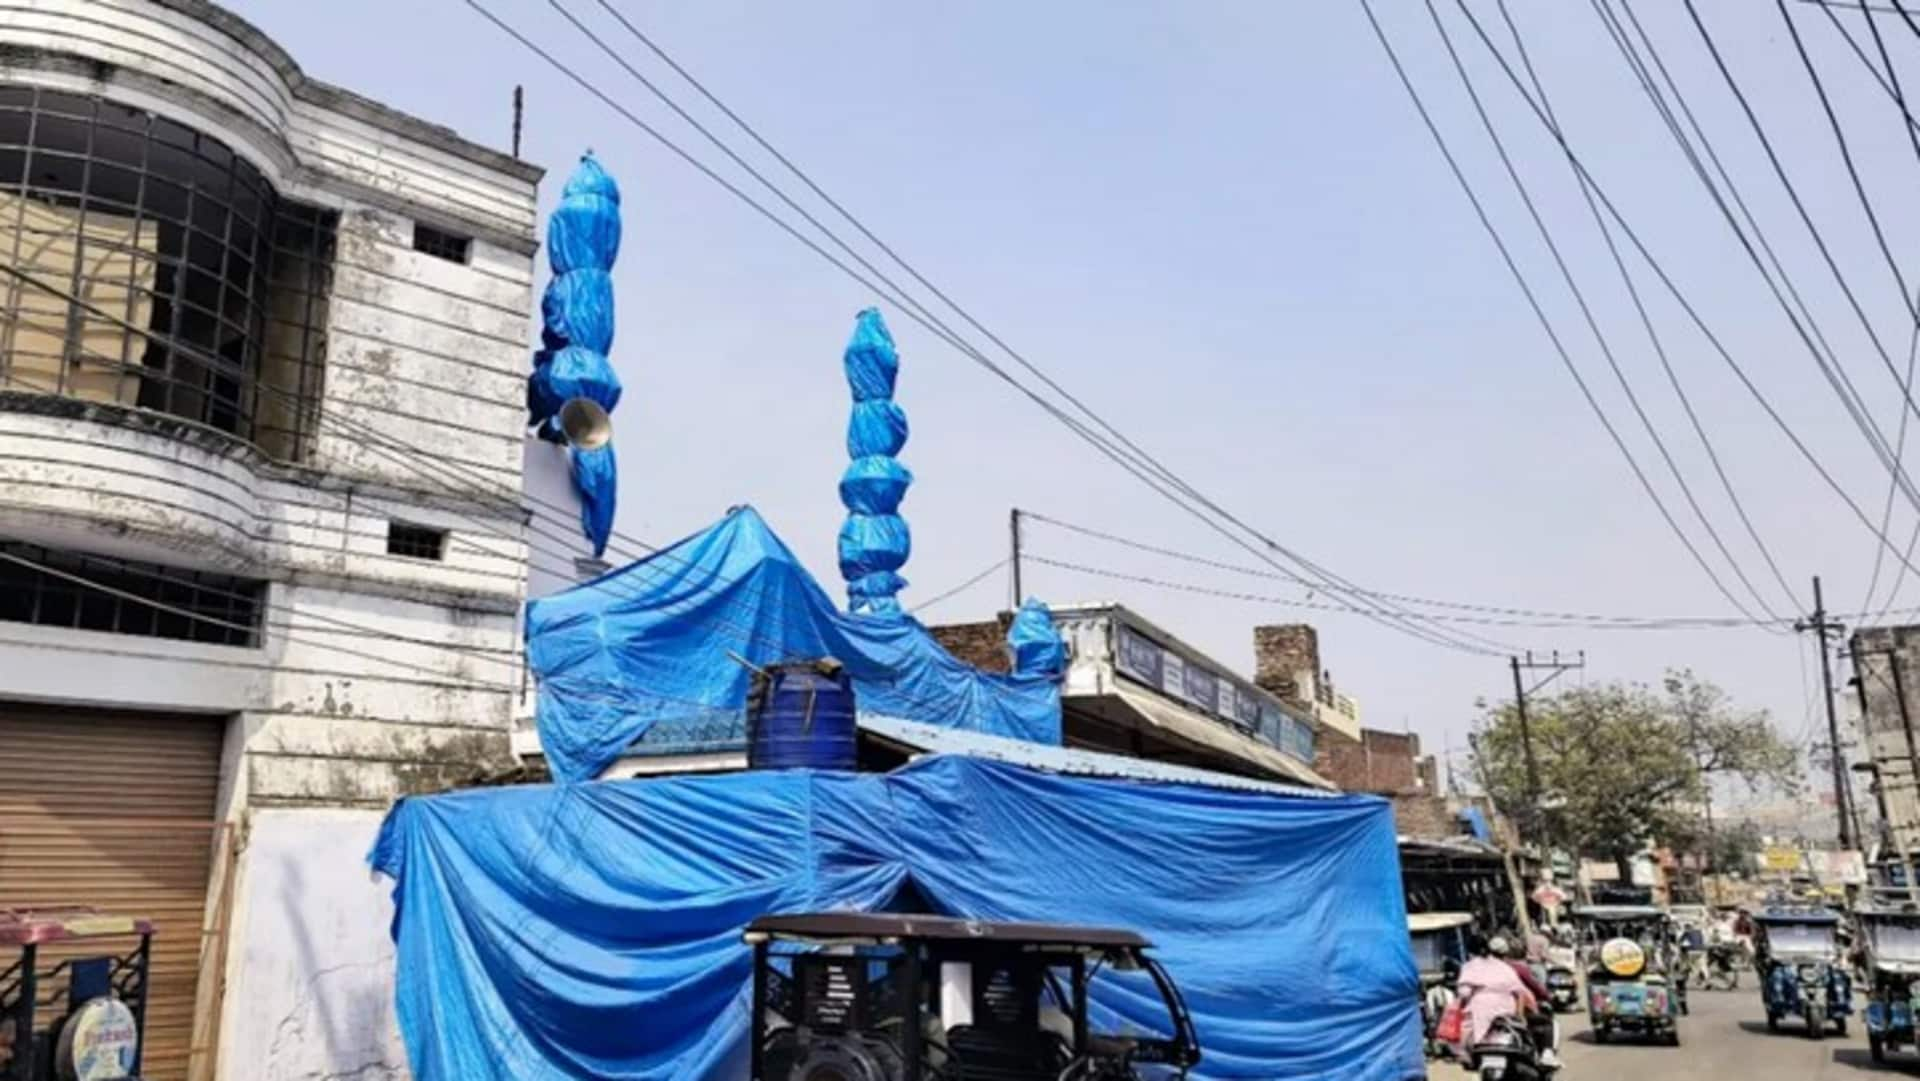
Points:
(440, 244)
(146, 265)
(142, 599)
(416, 541)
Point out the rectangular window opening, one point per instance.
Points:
(60, 588)
(416, 541)
(441, 244)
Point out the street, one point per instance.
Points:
(1724, 1039)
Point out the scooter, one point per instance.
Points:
(1508, 1053)
(1562, 982)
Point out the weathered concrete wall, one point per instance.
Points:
(193, 61)
(1885, 658)
(310, 991)
(378, 675)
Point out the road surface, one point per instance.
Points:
(1725, 1039)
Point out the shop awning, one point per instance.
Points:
(1145, 709)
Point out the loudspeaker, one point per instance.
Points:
(586, 425)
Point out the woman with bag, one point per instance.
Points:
(1489, 989)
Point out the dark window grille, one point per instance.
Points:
(416, 541)
(214, 608)
(149, 262)
(441, 244)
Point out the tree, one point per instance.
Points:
(1620, 767)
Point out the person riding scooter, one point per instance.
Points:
(1541, 1023)
(1495, 984)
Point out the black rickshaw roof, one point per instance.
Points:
(886, 926)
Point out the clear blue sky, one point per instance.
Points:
(1221, 224)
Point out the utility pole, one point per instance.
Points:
(1526, 735)
(1532, 820)
(1820, 625)
(1555, 667)
(1013, 529)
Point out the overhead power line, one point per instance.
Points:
(1520, 277)
(1836, 372)
(1546, 616)
(1692, 313)
(959, 589)
(1622, 624)
(1659, 346)
(1157, 476)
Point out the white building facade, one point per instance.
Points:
(263, 350)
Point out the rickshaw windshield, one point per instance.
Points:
(1429, 952)
(1895, 941)
(1800, 938)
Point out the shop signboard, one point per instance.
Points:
(1173, 675)
(1215, 693)
(1203, 690)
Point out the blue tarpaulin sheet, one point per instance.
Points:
(593, 930)
(651, 642)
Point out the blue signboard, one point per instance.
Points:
(1203, 688)
(1246, 708)
(1138, 658)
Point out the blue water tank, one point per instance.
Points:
(801, 716)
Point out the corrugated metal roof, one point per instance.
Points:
(938, 740)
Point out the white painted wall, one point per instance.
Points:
(311, 994)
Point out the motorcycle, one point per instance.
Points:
(1508, 1053)
(1563, 986)
(1724, 962)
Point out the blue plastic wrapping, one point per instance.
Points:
(876, 429)
(1038, 649)
(650, 642)
(875, 541)
(583, 240)
(874, 483)
(546, 933)
(596, 476)
(577, 372)
(584, 231)
(575, 311)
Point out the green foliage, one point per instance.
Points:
(1620, 767)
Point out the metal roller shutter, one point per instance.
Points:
(116, 811)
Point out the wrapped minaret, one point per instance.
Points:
(874, 542)
(573, 390)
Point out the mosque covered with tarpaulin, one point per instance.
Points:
(593, 928)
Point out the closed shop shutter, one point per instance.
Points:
(116, 811)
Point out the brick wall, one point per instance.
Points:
(1387, 763)
(1286, 659)
(1426, 817)
(982, 644)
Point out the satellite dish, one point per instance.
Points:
(585, 424)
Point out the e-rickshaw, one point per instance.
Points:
(1629, 990)
(1801, 969)
(892, 997)
(1439, 949)
(73, 994)
(1893, 966)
